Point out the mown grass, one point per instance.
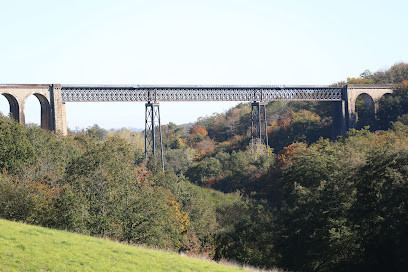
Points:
(31, 248)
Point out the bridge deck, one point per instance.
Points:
(158, 93)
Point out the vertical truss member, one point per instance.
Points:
(259, 126)
(153, 133)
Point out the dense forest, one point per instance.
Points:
(314, 204)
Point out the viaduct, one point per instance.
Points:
(52, 98)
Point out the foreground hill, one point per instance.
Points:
(31, 248)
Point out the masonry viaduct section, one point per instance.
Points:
(52, 98)
(53, 116)
(344, 112)
(371, 94)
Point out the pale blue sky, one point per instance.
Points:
(192, 42)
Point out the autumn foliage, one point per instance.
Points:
(316, 203)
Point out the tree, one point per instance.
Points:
(247, 234)
(206, 168)
(393, 106)
(95, 176)
(97, 132)
(16, 152)
(300, 126)
(380, 212)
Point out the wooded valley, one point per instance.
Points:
(314, 204)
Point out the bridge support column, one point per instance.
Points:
(259, 126)
(339, 122)
(58, 122)
(153, 133)
(21, 115)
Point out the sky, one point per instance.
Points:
(191, 42)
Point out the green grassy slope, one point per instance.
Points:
(30, 248)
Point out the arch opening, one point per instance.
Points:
(4, 106)
(365, 111)
(9, 106)
(385, 111)
(386, 96)
(38, 110)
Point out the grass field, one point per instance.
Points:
(31, 248)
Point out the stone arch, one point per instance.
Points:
(370, 96)
(365, 109)
(14, 106)
(45, 110)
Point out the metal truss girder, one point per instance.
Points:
(76, 93)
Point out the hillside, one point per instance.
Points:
(31, 248)
(314, 204)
